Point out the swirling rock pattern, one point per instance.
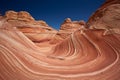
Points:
(87, 54)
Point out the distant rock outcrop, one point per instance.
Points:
(20, 16)
(69, 26)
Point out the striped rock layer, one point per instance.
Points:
(26, 51)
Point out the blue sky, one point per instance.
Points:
(54, 12)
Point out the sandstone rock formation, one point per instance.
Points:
(67, 28)
(37, 31)
(86, 53)
(107, 17)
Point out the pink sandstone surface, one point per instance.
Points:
(32, 50)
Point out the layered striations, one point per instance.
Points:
(32, 50)
(37, 31)
(106, 17)
(66, 29)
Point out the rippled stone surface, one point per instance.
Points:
(86, 54)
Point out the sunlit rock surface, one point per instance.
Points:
(32, 50)
(107, 17)
(70, 26)
(66, 29)
(37, 31)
